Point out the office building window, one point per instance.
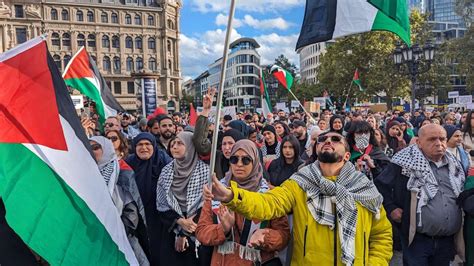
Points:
(151, 43)
(152, 64)
(66, 40)
(79, 16)
(138, 20)
(20, 35)
(65, 14)
(105, 41)
(138, 43)
(117, 87)
(129, 64)
(54, 14)
(90, 16)
(117, 65)
(115, 18)
(128, 42)
(104, 17)
(91, 40)
(130, 87)
(151, 20)
(106, 64)
(115, 41)
(139, 63)
(55, 40)
(19, 11)
(81, 40)
(128, 19)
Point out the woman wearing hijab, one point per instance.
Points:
(336, 124)
(126, 205)
(365, 152)
(282, 168)
(236, 240)
(147, 162)
(179, 202)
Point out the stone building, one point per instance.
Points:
(127, 38)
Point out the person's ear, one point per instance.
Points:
(347, 156)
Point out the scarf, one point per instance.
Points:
(267, 150)
(350, 187)
(183, 168)
(252, 183)
(229, 247)
(422, 181)
(362, 141)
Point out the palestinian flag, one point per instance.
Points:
(55, 197)
(192, 115)
(325, 20)
(265, 98)
(283, 76)
(356, 80)
(82, 74)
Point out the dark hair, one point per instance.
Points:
(285, 127)
(331, 122)
(151, 122)
(163, 117)
(294, 142)
(467, 128)
(361, 127)
(169, 145)
(123, 147)
(383, 143)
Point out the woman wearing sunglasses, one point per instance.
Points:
(179, 201)
(120, 143)
(124, 194)
(236, 240)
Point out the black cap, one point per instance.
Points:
(227, 118)
(298, 123)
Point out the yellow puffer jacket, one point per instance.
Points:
(314, 243)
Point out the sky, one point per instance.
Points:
(275, 25)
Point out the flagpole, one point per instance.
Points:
(347, 97)
(220, 93)
(304, 109)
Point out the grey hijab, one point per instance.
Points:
(183, 169)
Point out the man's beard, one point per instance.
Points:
(167, 135)
(329, 157)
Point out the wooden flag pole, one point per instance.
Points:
(220, 92)
(304, 109)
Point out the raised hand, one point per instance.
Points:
(208, 99)
(226, 217)
(219, 191)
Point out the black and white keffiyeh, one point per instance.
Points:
(263, 149)
(350, 187)
(421, 178)
(165, 199)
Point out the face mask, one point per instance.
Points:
(362, 141)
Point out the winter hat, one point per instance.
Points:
(269, 128)
(450, 130)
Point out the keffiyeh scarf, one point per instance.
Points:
(264, 151)
(350, 187)
(421, 178)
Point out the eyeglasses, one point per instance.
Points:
(333, 138)
(244, 159)
(109, 125)
(96, 147)
(113, 138)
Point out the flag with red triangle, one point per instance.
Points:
(356, 80)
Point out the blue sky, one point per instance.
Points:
(274, 24)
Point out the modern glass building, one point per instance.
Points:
(443, 11)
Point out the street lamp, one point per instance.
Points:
(413, 61)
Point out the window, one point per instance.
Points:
(54, 14)
(81, 40)
(20, 35)
(66, 40)
(55, 40)
(117, 87)
(138, 20)
(151, 43)
(152, 64)
(139, 63)
(129, 64)
(151, 20)
(106, 63)
(19, 11)
(170, 65)
(65, 14)
(79, 15)
(104, 17)
(115, 41)
(170, 24)
(57, 61)
(129, 42)
(90, 16)
(138, 43)
(168, 46)
(67, 58)
(128, 19)
(115, 18)
(91, 40)
(105, 41)
(117, 65)
(130, 87)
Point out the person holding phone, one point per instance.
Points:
(395, 137)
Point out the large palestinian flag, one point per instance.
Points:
(82, 74)
(264, 96)
(325, 20)
(55, 197)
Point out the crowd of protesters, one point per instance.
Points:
(336, 188)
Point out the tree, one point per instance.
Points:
(372, 54)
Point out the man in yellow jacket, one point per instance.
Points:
(337, 212)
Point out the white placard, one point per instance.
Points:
(295, 104)
(453, 94)
(429, 109)
(281, 106)
(227, 110)
(470, 106)
(465, 99)
(78, 101)
(321, 101)
(246, 101)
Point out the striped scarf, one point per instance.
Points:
(264, 151)
(350, 187)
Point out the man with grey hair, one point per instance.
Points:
(420, 188)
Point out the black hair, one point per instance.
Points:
(331, 122)
(361, 127)
(294, 142)
(467, 128)
(163, 117)
(285, 127)
(151, 122)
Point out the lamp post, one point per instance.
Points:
(413, 61)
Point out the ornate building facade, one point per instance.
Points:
(127, 38)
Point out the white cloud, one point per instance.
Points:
(205, 6)
(197, 53)
(248, 20)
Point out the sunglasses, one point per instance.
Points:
(109, 124)
(96, 147)
(244, 159)
(113, 138)
(322, 139)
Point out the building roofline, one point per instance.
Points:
(245, 39)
